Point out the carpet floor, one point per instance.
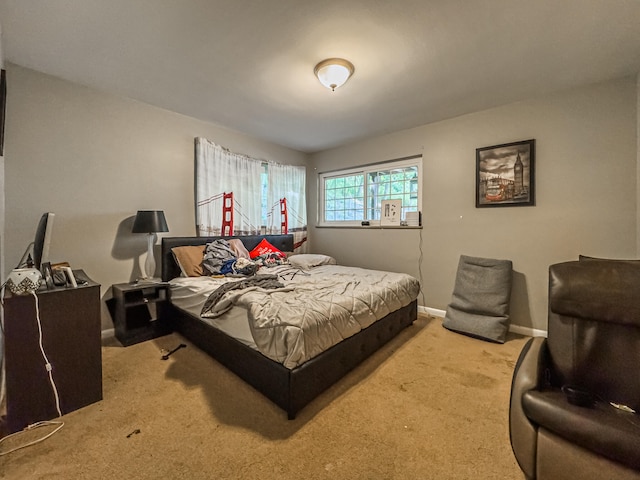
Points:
(431, 404)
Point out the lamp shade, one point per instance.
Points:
(150, 221)
(334, 72)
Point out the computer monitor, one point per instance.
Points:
(43, 239)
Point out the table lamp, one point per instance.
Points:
(150, 222)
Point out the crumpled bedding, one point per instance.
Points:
(319, 307)
(215, 306)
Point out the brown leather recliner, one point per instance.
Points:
(561, 420)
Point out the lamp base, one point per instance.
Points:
(150, 262)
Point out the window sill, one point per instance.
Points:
(374, 227)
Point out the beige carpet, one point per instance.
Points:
(431, 404)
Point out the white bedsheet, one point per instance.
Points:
(327, 304)
(190, 293)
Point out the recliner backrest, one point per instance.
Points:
(594, 328)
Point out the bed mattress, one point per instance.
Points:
(190, 294)
(316, 309)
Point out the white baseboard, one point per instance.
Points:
(527, 331)
(432, 311)
(108, 333)
(518, 329)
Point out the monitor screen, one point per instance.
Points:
(42, 240)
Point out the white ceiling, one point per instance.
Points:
(248, 64)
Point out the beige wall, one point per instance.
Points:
(95, 159)
(586, 191)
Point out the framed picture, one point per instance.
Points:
(3, 106)
(505, 175)
(390, 212)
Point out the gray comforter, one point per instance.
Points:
(318, 308)
(215, 306)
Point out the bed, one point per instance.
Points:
(293, 387)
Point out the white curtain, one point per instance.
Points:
(220, 172)
(288, 183)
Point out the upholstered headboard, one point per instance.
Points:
(170, 268)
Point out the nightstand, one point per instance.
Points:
(138, 311)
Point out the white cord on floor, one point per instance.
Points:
(31, 427)
(49, 369)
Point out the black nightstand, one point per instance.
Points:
(138, 311)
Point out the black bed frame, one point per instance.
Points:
(290, 389)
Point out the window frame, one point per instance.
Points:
(364, 170)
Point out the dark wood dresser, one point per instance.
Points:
(71, 328)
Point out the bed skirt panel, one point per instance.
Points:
(293, 389)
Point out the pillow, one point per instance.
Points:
(480, 301)
(309, 260)
(189, 259)
(238, 247)
(264, 248)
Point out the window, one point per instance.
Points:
(349, 197)
(240, 195)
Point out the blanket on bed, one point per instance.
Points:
(214, 306)
(319, 308)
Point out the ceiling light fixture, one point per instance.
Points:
(334, 72)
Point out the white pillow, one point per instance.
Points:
(309, 260)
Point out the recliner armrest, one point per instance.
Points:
(600, 429)
(528, 374)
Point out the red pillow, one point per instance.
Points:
(264, 248)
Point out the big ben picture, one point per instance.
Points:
(505, 175)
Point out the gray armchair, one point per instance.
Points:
(562, 423)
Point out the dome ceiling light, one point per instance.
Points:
(334, 72)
